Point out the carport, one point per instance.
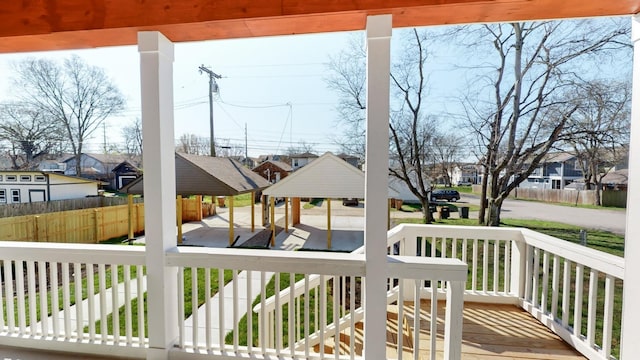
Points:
(328, 177)
(215, 176)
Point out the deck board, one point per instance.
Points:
(493, 331)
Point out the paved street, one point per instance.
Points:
(604, 219)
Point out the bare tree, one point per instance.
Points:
(348, 79)
(29, 133)
(193, 144)
(446, 150)
(301, 148)
(132, 135)
(534, 71)
(601, 128)
(411, 133)
(74, 94)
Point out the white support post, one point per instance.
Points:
(453, 320)
(156, 79)
(630, 347)
(518, 267)
(376, 177)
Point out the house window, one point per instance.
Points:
(15, 195)
(39, 178)
(3, 196)
(0, 177)
(25, 178)
(12, 178)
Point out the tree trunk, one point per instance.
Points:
(483, 198)
(78, 164)
(427, 216)
(493, 218)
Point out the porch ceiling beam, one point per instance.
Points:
(68, 24)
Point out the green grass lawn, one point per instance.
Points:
(188, 300)
(270, 291)
(313, 203)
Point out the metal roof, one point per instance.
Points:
(205, 175)
(326, 177)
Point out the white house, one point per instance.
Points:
(300, 160)
(466, 174)
(34, 186)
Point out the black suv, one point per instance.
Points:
(449, 195)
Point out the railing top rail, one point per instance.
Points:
(426, 268)
(597, 260)
(72, 253)
(455, 232)
(300, 262)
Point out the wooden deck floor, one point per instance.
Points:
(490, 332)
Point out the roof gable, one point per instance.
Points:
(279, 164)
(326, 177)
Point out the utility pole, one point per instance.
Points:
(104, 137)
(246, 152)
(213, 88)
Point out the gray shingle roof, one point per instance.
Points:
(204, 175)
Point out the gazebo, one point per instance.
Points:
(327, 177)
(215, 176)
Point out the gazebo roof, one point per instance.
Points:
(325, 177)
(204, 175)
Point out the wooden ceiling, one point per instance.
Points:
(27, 25)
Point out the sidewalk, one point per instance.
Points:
(228, 310)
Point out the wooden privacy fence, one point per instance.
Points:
(87, 225)
(616, 198)
(41, 207)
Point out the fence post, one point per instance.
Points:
(130, 211)
(36, 236)
(179, 217)
(97, 226)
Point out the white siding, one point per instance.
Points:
(73, 191)
(59, 188)
(326, 177)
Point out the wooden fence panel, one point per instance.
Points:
(12, 210)
(86, 225)
(617, 198)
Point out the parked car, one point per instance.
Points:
(350, 202)
(449, 195)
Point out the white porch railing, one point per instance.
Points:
(60, 297)
(301, 323)
(544, 275)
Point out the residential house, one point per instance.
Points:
(352, 160)
(300, 160)
(124, 173)
(276, 157)
(99, 167)
(273, 170)
(35, 186)
(533, 283)
(555, 171)
(468, 174)
(53, 165)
